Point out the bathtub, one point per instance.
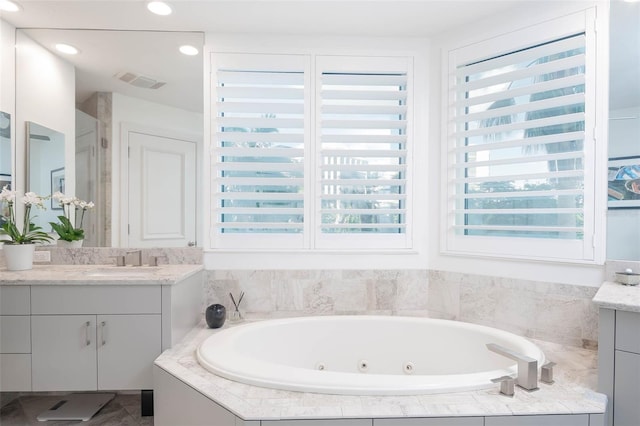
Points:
(362, 355)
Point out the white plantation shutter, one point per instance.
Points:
(521, 150)
(362, 144)
(258, 153)
(310, 159)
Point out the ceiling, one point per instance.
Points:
(334, 17)
(153, 53)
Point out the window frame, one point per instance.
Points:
(584, 250)
(312, 240)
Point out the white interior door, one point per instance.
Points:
(162, 190)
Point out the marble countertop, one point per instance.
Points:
(572, 393)
(618, 296)
(98, 275)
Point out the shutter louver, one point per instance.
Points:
(259, 151)
(519, 143)
(363, 152)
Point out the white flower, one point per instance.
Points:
(32, 199)
(57, 195)
(67, 200)
(7, 195)
(85, 205)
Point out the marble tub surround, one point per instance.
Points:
(554, 312)
(612, 295)
(99, 275)
(573, 392)
(270, 294)
(561, 313)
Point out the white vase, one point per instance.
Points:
(18, 257)
(69, 244)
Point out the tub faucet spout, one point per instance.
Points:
(527, 366)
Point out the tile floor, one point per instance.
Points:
(123, 410)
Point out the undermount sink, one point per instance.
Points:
(122, 272)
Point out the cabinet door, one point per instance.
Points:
(63, 352)
(626, 410)
(127, 347)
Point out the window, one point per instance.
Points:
(259, 146)
(313, 160)
(520, 145)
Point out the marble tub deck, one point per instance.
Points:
(572, 393)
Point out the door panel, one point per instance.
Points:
(63, 352)
(162, 191)
(127, 347)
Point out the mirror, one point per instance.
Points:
(126, 83)
(45, 169)
(5, 149)
(623, 215)
(5, 156)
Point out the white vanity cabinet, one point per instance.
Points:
(15, 338)
(619, 365)
(95, 337)
(88, 327)
(626, 407)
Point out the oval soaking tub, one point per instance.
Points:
(363, 355)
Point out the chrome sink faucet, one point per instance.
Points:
(527, 366)
(136, 257)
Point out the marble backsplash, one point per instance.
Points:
(553, 312)
(105, 255)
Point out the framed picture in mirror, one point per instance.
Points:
(57, 185)
(623, 187)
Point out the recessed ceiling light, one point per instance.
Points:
(9, 6)
(188, 50)
(159, 8)
(66, 48)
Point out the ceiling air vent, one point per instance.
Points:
(141, 81)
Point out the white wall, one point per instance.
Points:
(570, 273)
(7, 87)
(45, 94)
(129, 111)
(623, 225)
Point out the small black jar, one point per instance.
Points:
(215, 315)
